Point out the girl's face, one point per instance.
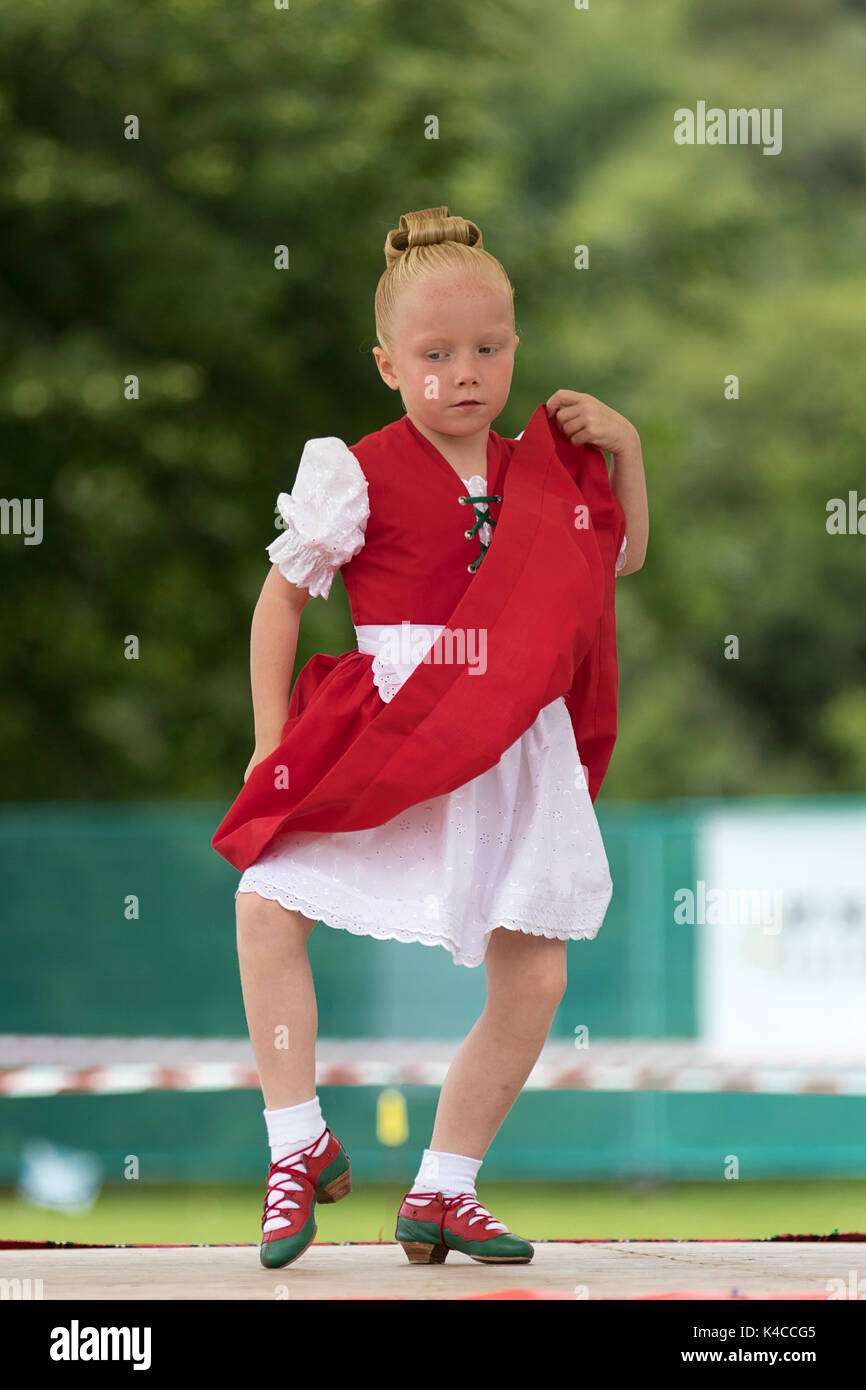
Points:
(452, 355)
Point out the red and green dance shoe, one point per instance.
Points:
(295, 1184)
(429, 1225)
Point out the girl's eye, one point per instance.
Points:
(487, 349)
(434, 355)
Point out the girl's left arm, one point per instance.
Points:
(586, 420)
(629, 483)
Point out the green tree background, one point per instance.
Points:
(306, 127)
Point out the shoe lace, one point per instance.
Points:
(282, 1179)
(465, 1203)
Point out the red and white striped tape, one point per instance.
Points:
(37, 1065)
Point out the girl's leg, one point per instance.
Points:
(526, 978)
(279, 998)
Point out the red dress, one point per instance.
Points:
(355, 771)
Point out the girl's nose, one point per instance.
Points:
(466, 372)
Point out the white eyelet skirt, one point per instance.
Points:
(516, 847)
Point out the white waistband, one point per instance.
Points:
(400, 640)
(396, 649)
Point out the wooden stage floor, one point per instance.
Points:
(561, 1269)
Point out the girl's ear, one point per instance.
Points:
(386, 368)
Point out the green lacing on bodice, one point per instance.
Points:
(481, 518)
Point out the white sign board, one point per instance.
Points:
(779, 910)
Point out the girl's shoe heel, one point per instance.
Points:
(339, 1188)
(420, 1253)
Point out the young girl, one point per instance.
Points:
(436, 783)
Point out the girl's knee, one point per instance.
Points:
(260, 920)
(550, 981)
(533, 969)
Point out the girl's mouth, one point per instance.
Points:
(466, 405)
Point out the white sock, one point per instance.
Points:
(450, 1174)
(294, 1127)
(454, 1176)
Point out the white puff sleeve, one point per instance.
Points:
(325, 516)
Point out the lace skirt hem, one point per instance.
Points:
(558, 925)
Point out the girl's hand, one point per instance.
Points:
(585, 420)
(258, 757)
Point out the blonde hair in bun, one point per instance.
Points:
(425, 244)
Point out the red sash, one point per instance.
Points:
(544, 594)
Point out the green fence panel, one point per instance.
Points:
(119, 919)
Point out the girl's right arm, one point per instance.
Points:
(273, 644)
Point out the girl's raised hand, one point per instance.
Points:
(585, 420)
